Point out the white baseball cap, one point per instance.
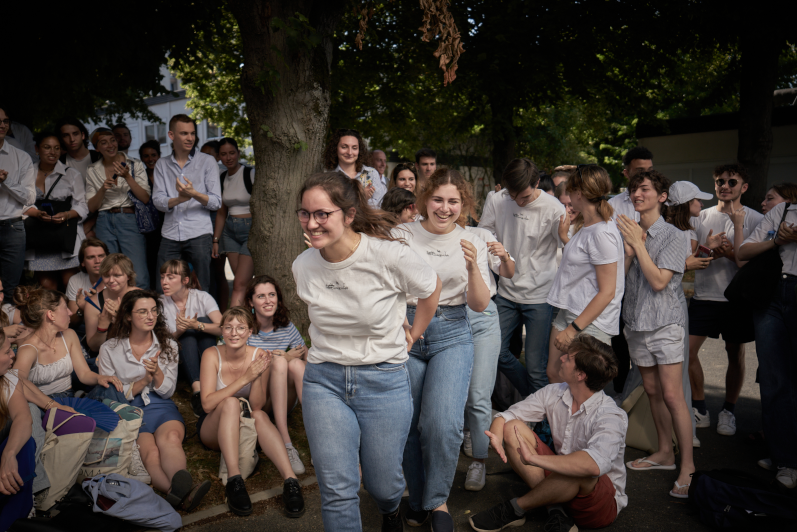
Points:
(684, 191)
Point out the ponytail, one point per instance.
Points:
(594, 183)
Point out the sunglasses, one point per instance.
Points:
(731, 182)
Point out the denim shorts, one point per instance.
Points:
(235, 237)
(564, 318)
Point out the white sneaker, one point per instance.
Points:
(765, 463)
(701, 421)
(726, 423)
(296, 462)
(476, 477)
(467, 444)
(786, 476)
(137, 469)
(695, 442)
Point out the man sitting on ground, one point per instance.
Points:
(586, 476)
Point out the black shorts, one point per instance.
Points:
(715, 318)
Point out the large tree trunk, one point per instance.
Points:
(286, 86)
(760, 51)
(503, 133)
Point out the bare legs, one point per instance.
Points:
(243, 267)
(285, 377)
(553, 358)
(734, 376)
(162, 453)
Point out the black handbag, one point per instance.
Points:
(50, 237)
(755, 283)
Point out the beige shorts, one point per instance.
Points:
(665, 345)
(565, 318)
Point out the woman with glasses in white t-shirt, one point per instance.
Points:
(357, 402)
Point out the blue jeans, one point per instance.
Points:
(192, 344)
(440, 365)
(486, 330)
(12, 256)
(537, 319)
(776, 347)
(120, 233)
(18, 505)
(351, 414)
(195, 251)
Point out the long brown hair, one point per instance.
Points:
(347, 194)
(679, 216)
(120, 328)
(594, 184)
(448, 176)
(787, 191)
(282, 316)
(33, 303)
(330, 157)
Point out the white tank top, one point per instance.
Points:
(55, 377)
(243, 392)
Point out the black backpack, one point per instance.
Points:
(247, 179)
(727, 498)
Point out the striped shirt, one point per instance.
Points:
(284, 338)
(644, 309)
(598, 428)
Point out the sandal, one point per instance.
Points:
(180, 488)
(680, 495)
(653, 465)
(195, 497)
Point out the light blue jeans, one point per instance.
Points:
(356, 414)
(537, 319)
(486, 330)
(120, 233)
(440, 365)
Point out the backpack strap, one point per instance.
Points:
(248, 179)
(222, 177)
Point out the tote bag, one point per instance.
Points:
(62, 455)
(112, 452)
(247, 445)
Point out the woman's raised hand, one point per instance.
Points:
(260, 364)
(470, 254)
(564, 227)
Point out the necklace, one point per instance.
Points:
(353, 249)
(230, 366)
(50, 347)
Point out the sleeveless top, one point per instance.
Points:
(243, 392)
(52, 378)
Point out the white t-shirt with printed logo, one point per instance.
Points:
(357, 306)
(710, 284)
(444, 254)
(576, 282)
(531, 235)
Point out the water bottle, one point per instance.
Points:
(770, 236)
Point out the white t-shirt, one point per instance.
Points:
(531, 235)
(11, 383)
(9, 310)
(622, 204)
(444, 254)
(81, 166)
(576, 282)
(495, 262)
(710, 284)
(771, 222)
(76, 282)
(199, 303)
(235, 197)
(357, 306)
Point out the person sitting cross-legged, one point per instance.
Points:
(583, 484)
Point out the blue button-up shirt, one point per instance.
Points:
(189, 219)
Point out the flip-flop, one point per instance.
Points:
(651, 467)
(680, 495)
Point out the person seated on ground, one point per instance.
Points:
(583, 484)
(141, 353)
(48, 355)
(401, 202)
(404, 176)
(10, 319)
(245, 369)
(16, 445)
(82, 285)
(192, 316)
(119, 278)
(276, 334)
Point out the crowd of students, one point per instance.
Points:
(413, 310)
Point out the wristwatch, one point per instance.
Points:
(201, 326)
(215, 240)
(576, 327)
(79, 313)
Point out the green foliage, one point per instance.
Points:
(301, 35)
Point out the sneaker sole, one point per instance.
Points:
(298, 471)
(518, 522)
(726, 432)
(471, 487)
(702, 424)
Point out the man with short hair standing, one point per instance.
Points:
(186, 188)
(123, 136)
(635, 160)
(379, 163)
(17, 189)
(710, 313)
(583, 484)
(425, 165)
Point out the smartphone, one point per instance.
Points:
(116, 177)
(704, 253)
(48, 208)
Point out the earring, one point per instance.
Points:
(253, 311)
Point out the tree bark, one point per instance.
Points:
(503, 133)
(759, 58)
(286, 86)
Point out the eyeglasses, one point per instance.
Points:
(229, 329)
(144, 313)
(320, 216)
(731, 182)
(6, 121)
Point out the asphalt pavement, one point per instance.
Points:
(649, 508)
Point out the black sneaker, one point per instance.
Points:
(196, 404)
(237, 498)
(442, 522)
(559, 521)
(416, 518)
(292, 498)
(497, 518)
(392, 522)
